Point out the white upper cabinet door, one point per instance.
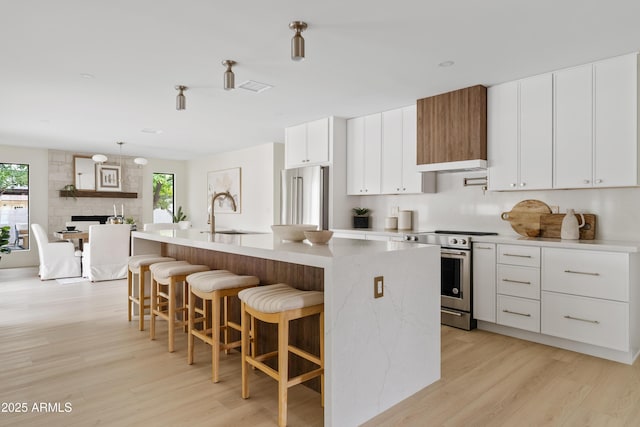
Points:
(372, 153)
(392, 152)
(573, 124)
(412, 180)
(318, 141)
(502, 136)
(616, 115)
(296, 146)
(355, 156)
(536, 133)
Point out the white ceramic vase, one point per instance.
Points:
(570, 229)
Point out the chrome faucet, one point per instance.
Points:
(212, 217)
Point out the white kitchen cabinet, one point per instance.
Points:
(596, 143)
(484, 281)
(518, 287)
(616, 115)
(589, 320)
(307, 144)
(520, 134)
(364, 144)
(399, 174)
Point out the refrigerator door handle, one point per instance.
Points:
(300, 200)
(294, 199)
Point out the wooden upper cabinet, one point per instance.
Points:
(453, 126)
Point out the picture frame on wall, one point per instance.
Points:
(225, 180)
(108, 178)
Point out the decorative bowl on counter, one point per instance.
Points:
(292, 232)
(71, 228)
(318, 237)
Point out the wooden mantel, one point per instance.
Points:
(88, 193)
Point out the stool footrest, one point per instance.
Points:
(305, 377)
(264, 368)
(266, 356)
(305, 355)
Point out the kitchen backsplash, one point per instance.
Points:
(457, 207)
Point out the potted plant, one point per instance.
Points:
(360, 217)
(179, 215)
(4, 240)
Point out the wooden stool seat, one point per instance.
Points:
(214, 288)
(164, 278)
(139, 265)
(279, 304)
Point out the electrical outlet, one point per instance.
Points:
(555, 209)
(378, 286)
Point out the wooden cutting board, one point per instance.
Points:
(525, 217)
(551, 224)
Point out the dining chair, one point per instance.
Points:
(58, 259)
(106, 256)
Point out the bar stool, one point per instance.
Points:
(138, 266)
(163, 302)
(214, 287)
(280, 304)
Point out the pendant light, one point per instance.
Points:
(99, 158)
(229, 79)
(297, 42)
(181, 101)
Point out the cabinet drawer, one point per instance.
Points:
(519, 281)
(586, 273)
(519, 313)
(526, 256)
(592, 321)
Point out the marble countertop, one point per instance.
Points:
(593, 245)
(267, 246)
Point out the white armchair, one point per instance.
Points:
(106, 256)
(57, 259)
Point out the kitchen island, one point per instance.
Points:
(378, 351)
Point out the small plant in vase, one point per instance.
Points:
(360, 217)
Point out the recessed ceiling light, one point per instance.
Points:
(254, 86)
(87, 76)
(151, 130)
(446, 64)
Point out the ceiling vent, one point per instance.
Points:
(253, 86)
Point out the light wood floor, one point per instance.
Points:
(72, 343)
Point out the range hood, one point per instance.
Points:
(462, 165)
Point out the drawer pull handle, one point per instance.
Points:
(515, 312)
(582, 320)
(581, 272)
(483, 247)
(516, 281)
(453, 313)
(519, 256)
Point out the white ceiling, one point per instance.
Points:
(363, 56)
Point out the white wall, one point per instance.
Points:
(457, 207)
(38, 161)
(260, 177)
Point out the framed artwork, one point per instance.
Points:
(108, 178)
(225, 180)
(84, 170)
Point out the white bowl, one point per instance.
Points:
(292, 232)
(319, 237)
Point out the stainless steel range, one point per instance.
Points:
(455, 281)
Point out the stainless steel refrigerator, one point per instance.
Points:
(304, 196)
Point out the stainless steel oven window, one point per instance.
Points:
(455, 279)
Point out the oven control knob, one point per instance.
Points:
(463, 241)
(453, 241)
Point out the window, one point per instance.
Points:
(14, 203)
(163, 197)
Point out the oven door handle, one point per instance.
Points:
(445, 252)
(454, 313)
